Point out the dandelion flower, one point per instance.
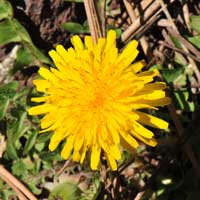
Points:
(93, 100)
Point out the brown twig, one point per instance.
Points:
(132, 16)
(187, 44)
(139, 195)
(93, 20)
(15, 184)
(17, 191)
(137, 23)
(193, 64)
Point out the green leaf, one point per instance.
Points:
(33, 186)
(38, 54)
(50, 156)
(3, 107)
(182, 101)
(170, 75)
(7, 194)
(30, 142)
(39, 147)
(195, 41)
(19, 127)
(73, 27)
(5, 9)
(8, 91)
(24, 58)
(11, 151)
(8, 33)
(20, 31)
(65, 191)
(19, 168)
(13, 31)
(195, 22)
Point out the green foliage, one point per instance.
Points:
(195, 40)
(195, 22)
(65, 191)
(5, 9)
(77, 28)
(12, 31)
(27, 156)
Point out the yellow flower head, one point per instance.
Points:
(93, 99)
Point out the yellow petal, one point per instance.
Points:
(129, 139)
(152, 121)
(129, 53)
(56, 138)
(115, 152)
(157, 102)
(76, 156)
(142, 130)
(151, 142)
(88, 42)
(112, 128)
(40, 99)
(63, 53)
(95, 156)
(41, 109)
(66, 151)
(42, 85)
(58, 61)
(83, 153)
(111, 162)
(110, 40)
(77, 43)
(137, 66)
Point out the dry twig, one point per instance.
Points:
(93, 20)
(137, 23)
(14, 183)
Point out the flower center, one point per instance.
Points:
(97, 101)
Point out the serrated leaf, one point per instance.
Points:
(33, 186)
(195, 41)
(5, 9)
(7, 194)
(19, 168)
(65, 191)
(73, 27)
(195, 22)
(30, 142)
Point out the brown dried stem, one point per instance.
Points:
(150, 11)
(132, 16)
(16, 185)
(93, 19)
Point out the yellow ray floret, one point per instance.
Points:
(92, 100)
